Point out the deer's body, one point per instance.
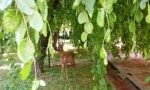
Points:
(67, 58)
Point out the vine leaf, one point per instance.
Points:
(4, 4)
(42, 83)
(35, 84)
(25, 71)
(147, 19)
(145, 1)
(26, 6)
(83, 17)
(44, 30)
(76, 3)
(134, 1)
(103, 53)
(20, 33)
(100, 17)
(36, 36)
(105, 61)
(11, 20)
(25, 50)
(108, 6)
(88, 27)
(89, 4)
(138, 16)
(142, 4)
(132, 27)
(42, 4)
(84, 36)
(107, 36)
(148, 9)
(85, 45)
(35, 21)
(112, 17)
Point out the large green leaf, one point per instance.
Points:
(142, 5)
(42, 4)
(88, 27)
(84, 36)
(11, 20)
(25, 71)
(138, 16)
(4, 4)
(147, 19)
(20, 33)
(132, 27)
(83, 17)
(26, 6)
(100, 17)
(36, 21)
(25, 50)
(89, 5)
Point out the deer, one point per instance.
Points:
(67, 58)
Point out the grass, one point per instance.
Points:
(81, 81)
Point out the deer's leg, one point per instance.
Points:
(62, 71)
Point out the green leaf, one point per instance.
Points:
(100, 17)
(147, 79)
(25, 71)
(101, 2)
(105, 61)
(115, 1)
(2, 35)
(4, 4)
(112, 17)
(132, 27)
(134, 1)
(35, 84)
(26, 6)
(36, 21)
(36, 36)
(11, 20)
(85, 45)
(42, 83)
(89, 4)
(103, 53)
(142, 5)
(76, 3)
(25, 50)
(148, 9)
(83, 17)
(44, 30)
(107, 36)
(88, 27)
(108, 6)
(84, 36)
(42, 4)
(138, 16)
(20, 33)
(145, 1)
(147, 19)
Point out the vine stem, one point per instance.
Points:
(35, 70)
